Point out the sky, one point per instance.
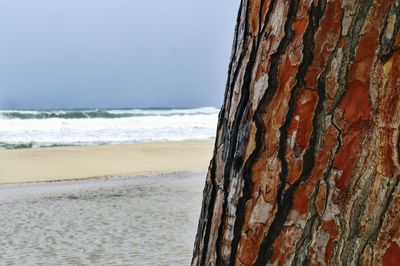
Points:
(114, 53)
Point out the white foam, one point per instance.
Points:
(147, 126)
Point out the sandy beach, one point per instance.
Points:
(146, 214)
(147, 220)
(79, 162)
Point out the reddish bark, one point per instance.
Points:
(306, 165)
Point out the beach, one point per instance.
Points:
(80, 162)
(95, 187)
(147, 220)
(128, 204)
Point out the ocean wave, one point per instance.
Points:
(12, 146)
(130, 126)
(102, 113)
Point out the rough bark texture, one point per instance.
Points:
(306, 165)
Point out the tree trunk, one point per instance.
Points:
(306, 163)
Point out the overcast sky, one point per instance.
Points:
(114, 53)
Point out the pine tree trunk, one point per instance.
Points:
(306, 164)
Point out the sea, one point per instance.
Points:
(44, 128)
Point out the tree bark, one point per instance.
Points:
(306, 164)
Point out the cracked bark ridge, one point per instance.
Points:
(306, 165)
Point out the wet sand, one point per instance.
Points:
(148, 220)
(80, 162)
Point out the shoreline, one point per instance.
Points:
(53, 164)
(29, 190)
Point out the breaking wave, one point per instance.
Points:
(102, 113)
(27, 129)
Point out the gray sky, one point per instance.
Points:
(114, 53)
